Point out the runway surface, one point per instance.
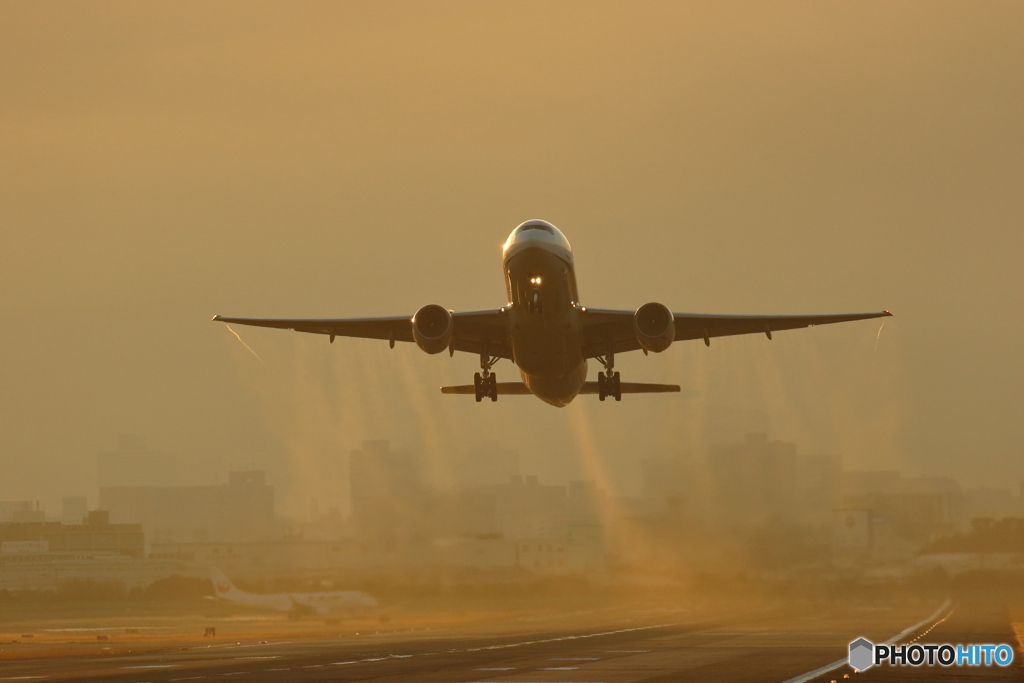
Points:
(609, 646)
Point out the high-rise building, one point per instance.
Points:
(132, 464)
(388, 498)
(585, 503)
(487, 463)
(74, 510)
(756, 480)
(19, 511)
(529, 509)
(761, 481)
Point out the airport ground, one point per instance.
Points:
(542, 638)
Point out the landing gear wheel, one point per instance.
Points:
(486, 384)
(609, 385)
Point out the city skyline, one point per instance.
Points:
(151, 181)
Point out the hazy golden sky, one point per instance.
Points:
(164, 161)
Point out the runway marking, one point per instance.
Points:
(504, 646)
(286, 642)
(561, 638)
(558, 668)
(803, 678)
(21, 678)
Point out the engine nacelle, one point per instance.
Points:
(655, 327)
(432, 328)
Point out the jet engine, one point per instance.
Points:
(432, 328)
(655, 327)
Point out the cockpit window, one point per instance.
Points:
(538, 226)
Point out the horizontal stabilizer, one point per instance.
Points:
(633, 388)
(504, 389)
(520, 389)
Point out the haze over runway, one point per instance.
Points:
(618, 645)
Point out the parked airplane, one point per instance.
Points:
(320, 603)
(546, 331)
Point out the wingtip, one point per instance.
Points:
(887, 313)
(216, 317)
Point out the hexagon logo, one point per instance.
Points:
(862, 654)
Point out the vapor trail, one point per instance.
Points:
(878, 336)
(243, 343)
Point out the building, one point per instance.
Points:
(755, 481)
(851, 534)
(914, 517)
(387, 494)
(487, 463)
(96, 535)
(586, 505)
(74, 509)
(20, 511)
(46, 555)
(580, 551)
(241, 510)
(989, 502)
(761, 481)
(525, 508)
(663, 482)
(132, 464)
(915, 510)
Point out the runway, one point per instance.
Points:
(613, 646)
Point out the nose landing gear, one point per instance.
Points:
(608, 382)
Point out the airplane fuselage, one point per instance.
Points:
(543, 312)
(321, 603)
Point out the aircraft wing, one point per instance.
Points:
(603, 327)
(520, 389)
(472, 329)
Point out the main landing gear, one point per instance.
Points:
(608, 383)
(486, 383)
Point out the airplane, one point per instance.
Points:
(293, 603)
(546, 331)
